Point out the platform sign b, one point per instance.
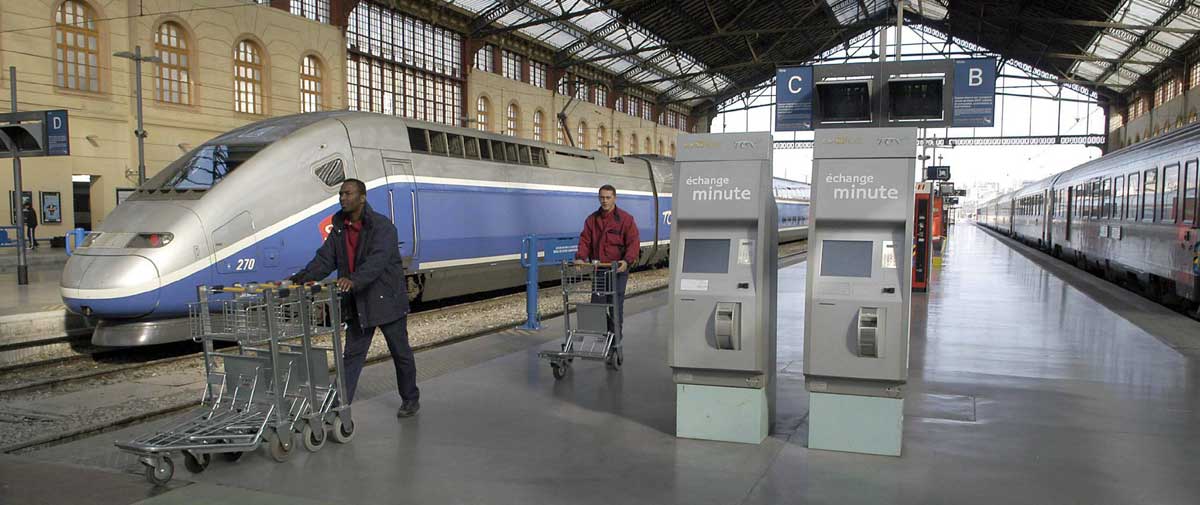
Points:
(974, 92)
(794, 98)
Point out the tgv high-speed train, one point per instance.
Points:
(1131, 216)
(255, 203)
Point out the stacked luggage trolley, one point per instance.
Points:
(273, 384)
(594, 333)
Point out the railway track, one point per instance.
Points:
(86, 365)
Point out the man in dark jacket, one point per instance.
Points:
(610, 235)
(365, 251)
(30, 225)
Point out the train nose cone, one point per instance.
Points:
(122, 286)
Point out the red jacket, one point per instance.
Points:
(607, 237)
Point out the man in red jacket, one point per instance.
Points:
(610, 235)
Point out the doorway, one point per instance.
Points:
(82, 200)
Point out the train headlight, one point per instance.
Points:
(149, 240)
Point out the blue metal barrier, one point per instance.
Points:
(78, 234)
(5, 239)
(554, 250)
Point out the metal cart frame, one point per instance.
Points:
(266, 389)
(595, 332)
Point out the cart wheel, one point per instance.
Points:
(313, 439)
(196, 463)
(281, 446)
(343, 432)
(231, 456)
(560, 371)
(160, 474)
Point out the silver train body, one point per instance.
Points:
(1131, 216)
(254, 204)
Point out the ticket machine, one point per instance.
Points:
(858, 285)
(724, 245)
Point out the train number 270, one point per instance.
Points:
(244, 264)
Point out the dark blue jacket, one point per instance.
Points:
(380, 293)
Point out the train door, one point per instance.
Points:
(402, 207)
(1044, 215)
(1070, 212)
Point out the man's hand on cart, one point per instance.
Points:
(622, 266)
(345, 285)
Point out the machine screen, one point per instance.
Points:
(845, 258)
(705, 256)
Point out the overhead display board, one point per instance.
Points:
(974, 92)
(794, 98)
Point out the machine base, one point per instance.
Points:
(849, 423)
(721, 413)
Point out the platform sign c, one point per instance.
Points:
(794, 98)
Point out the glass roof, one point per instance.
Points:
(1118, 43)
(852, 11)
(660, 65)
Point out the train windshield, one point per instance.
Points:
(203, 168)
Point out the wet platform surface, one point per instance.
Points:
(1026, 388)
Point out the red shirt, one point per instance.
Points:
(352, 231)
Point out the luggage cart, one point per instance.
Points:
(595, 332)
(274, 383)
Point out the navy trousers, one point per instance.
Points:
(358, 342)
(621, 280)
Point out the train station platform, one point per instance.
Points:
(1031, 382)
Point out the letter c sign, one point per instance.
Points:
(795, 84)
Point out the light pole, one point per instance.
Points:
(140, 132)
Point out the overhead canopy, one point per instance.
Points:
(710, 50)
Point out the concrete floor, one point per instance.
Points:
(1026, 388)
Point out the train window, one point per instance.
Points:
(1132, 206)
(498, 152)
(538, 156)
(456, 145)
(417, 140)
(437, 142)
(1170, 190)
(471, 147)
(1190, 183)
(1095, 200)
(331, 173)
(204, 167)
(1149, 191)
(1119, 202)
(523, 151)
(511, 151)
(1107, 199)
(485, 149)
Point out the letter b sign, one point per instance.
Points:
(975, 77)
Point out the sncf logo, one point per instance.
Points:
(326, 227)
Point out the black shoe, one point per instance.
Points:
(408, 409)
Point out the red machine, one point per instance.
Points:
(922, 235)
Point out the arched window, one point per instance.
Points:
(646, 147)
(76, 47)
(632, 143)
(560, 132)
(538, 118)
(672, 149)
(311, 96)
(601, 140)
(619, 150)
(660, 147)
(481, 114)
(173, 73)
(248, 78)
(513, 124)
(582, 140)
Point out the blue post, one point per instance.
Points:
(529, 260)
(78, 234)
